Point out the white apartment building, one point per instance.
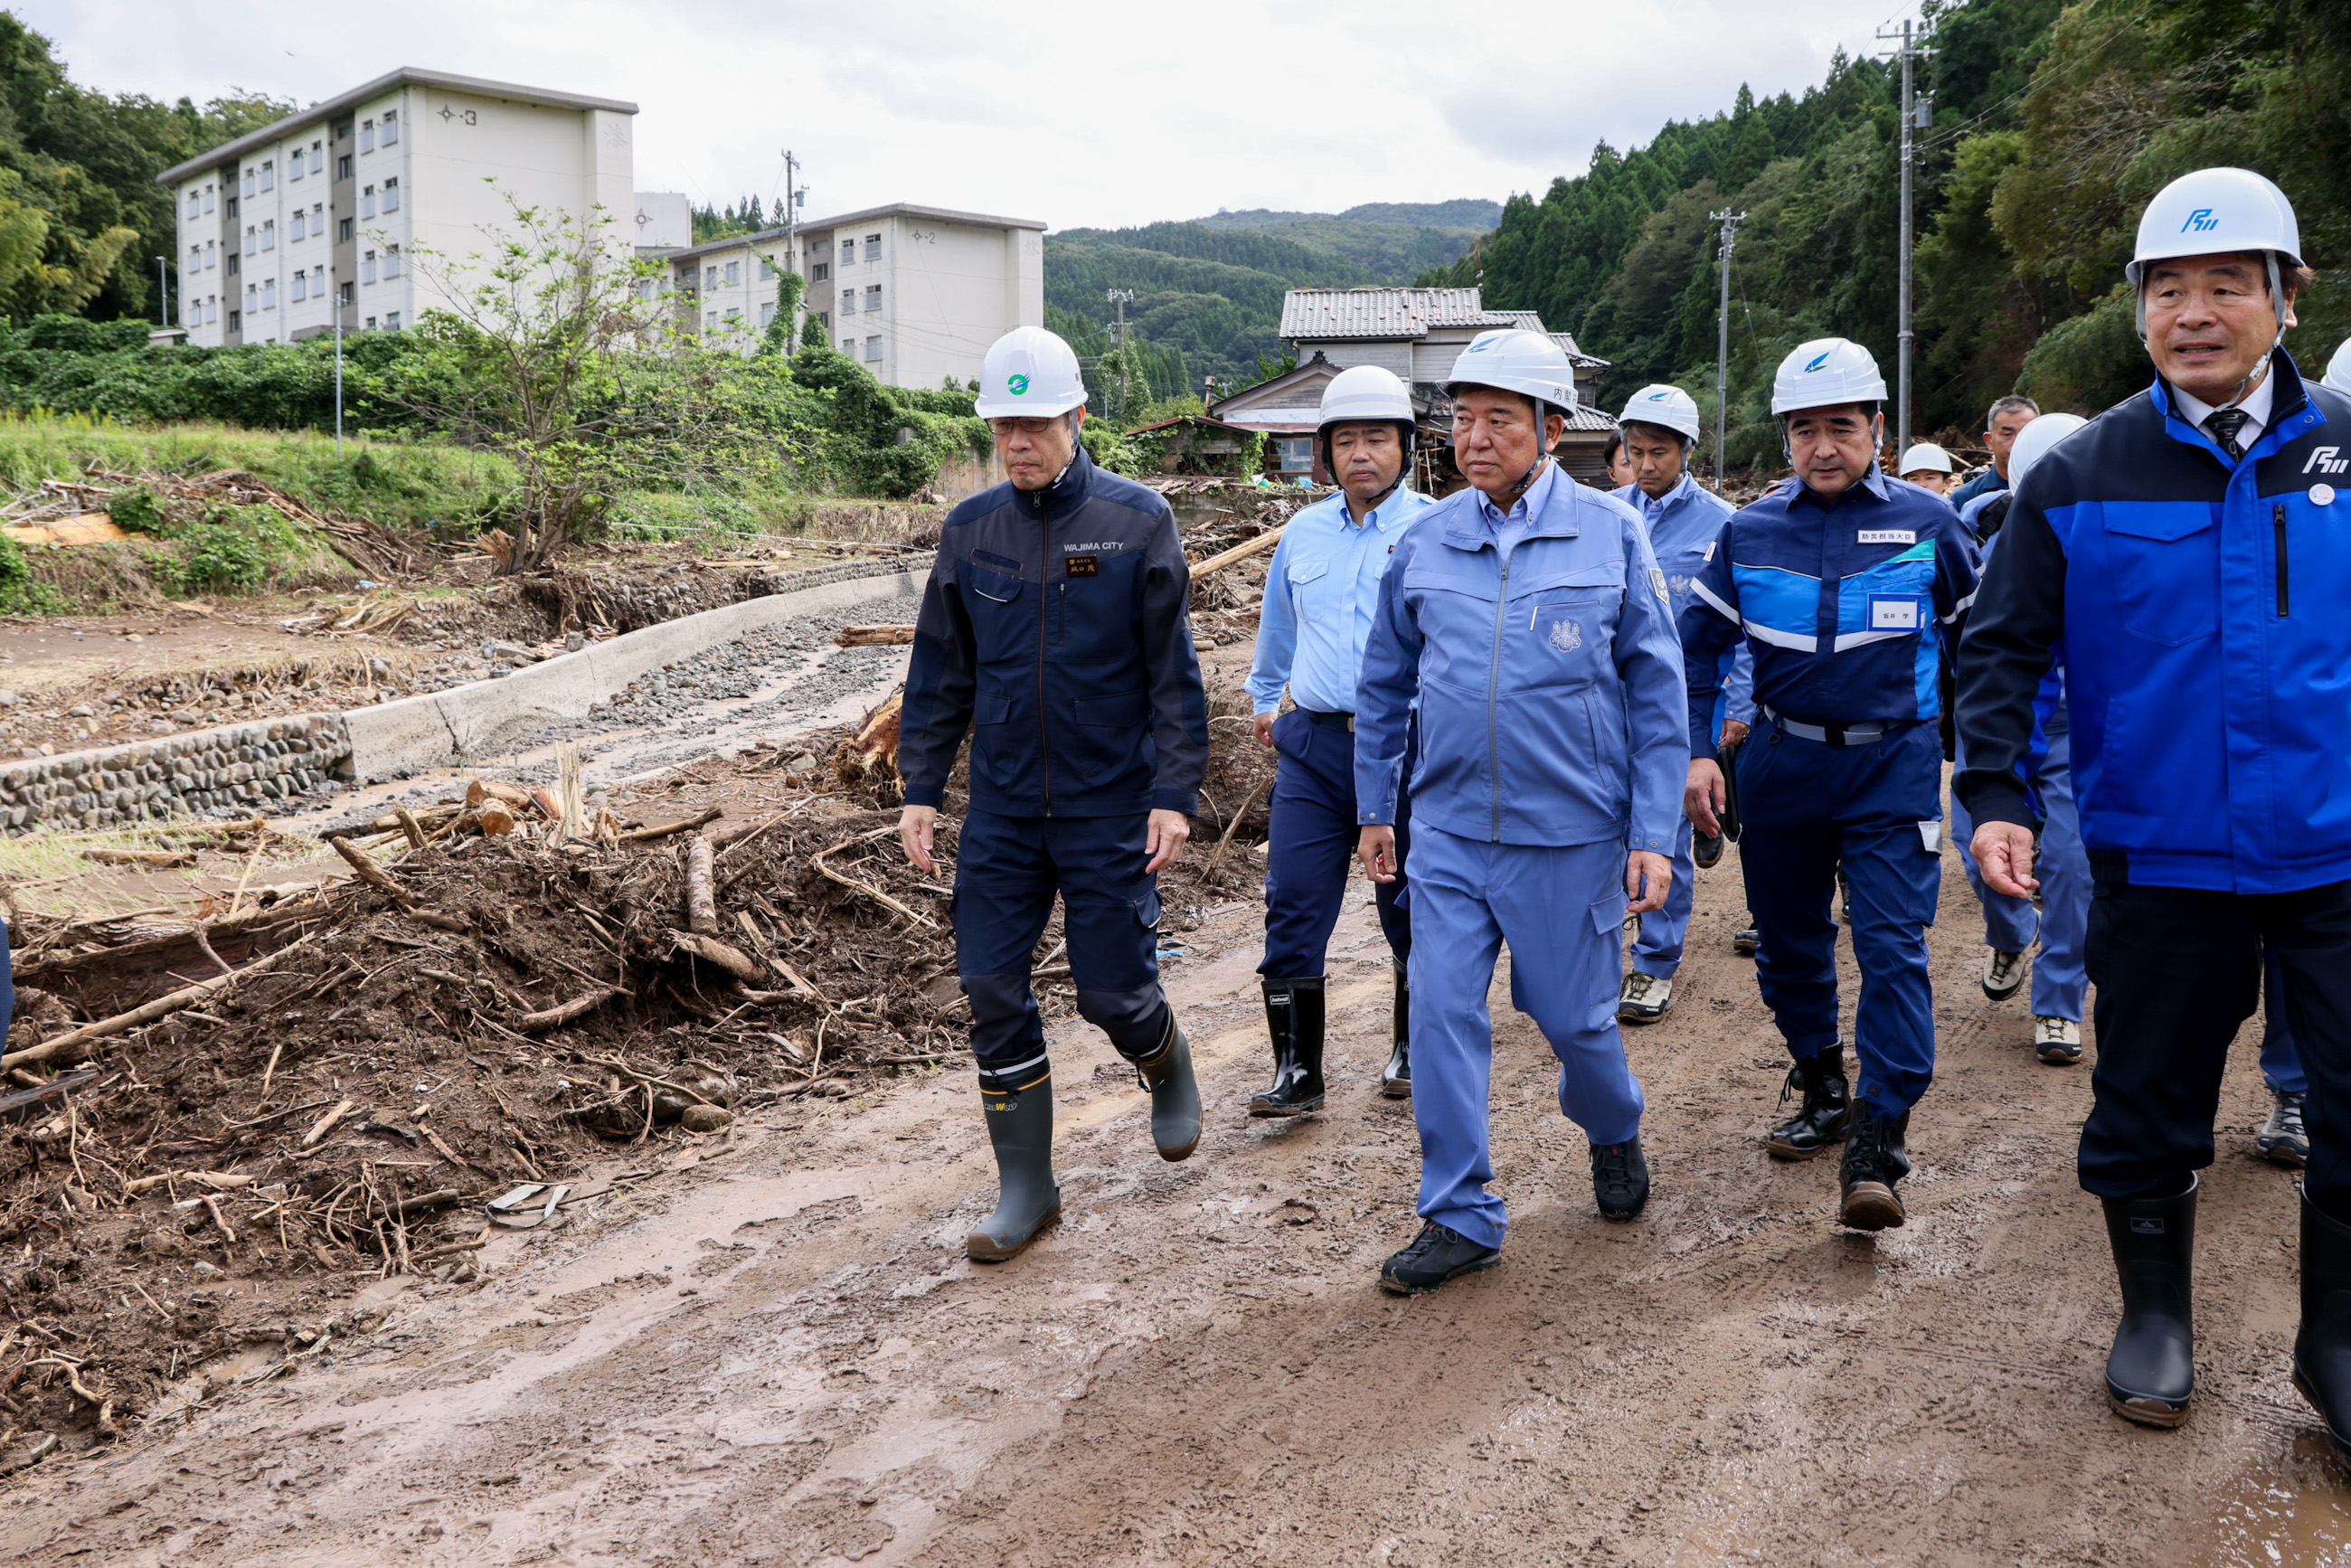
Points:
(334, 203)
(915, 294)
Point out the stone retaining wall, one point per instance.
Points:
(234, 766)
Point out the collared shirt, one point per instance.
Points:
(1311, 631)
(2257, 407)
(1990, 482)
(1849, 604)
(1513, 525)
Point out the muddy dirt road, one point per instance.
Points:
(770, 1350)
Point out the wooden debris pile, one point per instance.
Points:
(373, 549)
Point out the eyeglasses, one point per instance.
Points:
(1037, 426)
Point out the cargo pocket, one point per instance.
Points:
(1146, 909)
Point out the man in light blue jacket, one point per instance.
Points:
(1684, 520)
(1527, 616)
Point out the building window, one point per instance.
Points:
(212, 308)
(873, 297)
(849, 302)
(370, 323)
(391, 262)
(366, 267)
(232, 206)
(249, 240)
(733, 274)
(212, 253)
(270, 175)
(367, 203)
(208, 198)
(195, 259)
(873, 247)
(195, 202)
(269, 233)
(318, 157)
(237, 320)
(824, 320)
(298, 224)
(318, 218)
(343, 167)
(849, 344)
(347, 293)
(873, 350)
(848, 252)
(767, 267)
(710, 320)
(343, 231)
(392, 322)
(767, 315)
(391, 194)
(294, 166)
(710, 276)
(301, 289)
(820, 272)
(735, 316)
(269, 294)
(390, 135)
(248, 184)
(367, 144)
(235, 266)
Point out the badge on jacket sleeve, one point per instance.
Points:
(1657, 581)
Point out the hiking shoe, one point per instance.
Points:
(1645, 998)
(1437, 1254)
(1620, 1180)
(1874, 1159)
(2282, 1140)
(1705, 849)
(1746, 940)
(2003, 972)
(2057, 1041)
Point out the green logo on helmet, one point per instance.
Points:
(1018, 384)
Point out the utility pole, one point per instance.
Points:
(1119, 296)
(1729, 222)
(793, 196)
(1917, 112)
(162, 296)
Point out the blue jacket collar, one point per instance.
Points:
(1551, 503)
(2292, 410)
(1874, 482)
(1063, 494)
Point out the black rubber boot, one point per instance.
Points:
(2151, 1371)
(1396, 1077)
(1020, 1125)
(1826, 1111)
(1293, 1018)
(2322, 1351)
(1167, 1072)
(1874, 1159)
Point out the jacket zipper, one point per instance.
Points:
(2278, 518)
(1044, 570)
(1493, 685)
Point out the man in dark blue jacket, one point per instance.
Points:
(2185, 553)
(1055, 629)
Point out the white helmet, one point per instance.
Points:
(2338, 370)
(2215, 211)
(1823, 374)
(1028, 371)
(1925, 455)
(1669, 408)
(1364, 393)
(1527, 363)
(2034, 441)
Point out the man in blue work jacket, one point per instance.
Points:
(1054, 629)
(1527, 616)
(1843, 580)
(1684, 520)
(1318, 597)
(2185, 554)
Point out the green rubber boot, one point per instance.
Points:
(1020, 1125)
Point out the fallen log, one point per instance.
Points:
(578, 1007)
(1241, 551)
(374, 876)
(161, 1007)
(875, 636)
(701, 893)
(664, 830)
(511, 796)
(711, 950)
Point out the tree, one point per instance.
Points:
(551, 352)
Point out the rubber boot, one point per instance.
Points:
(1020, 1126)
(1293, 1017)
(2151, 1372)
(1824, 1114)
(1174, 1096)
(1396, 1077)
(2322, 1351)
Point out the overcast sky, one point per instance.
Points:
(1101, 114)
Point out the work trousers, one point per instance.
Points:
(1312, 855)
(2063, 921)
(1658, 950)
(1877, 809)
(1562, 913)
(1008, 869)
(2177, 971)
(2281, 1064)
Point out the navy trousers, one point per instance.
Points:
(1878, 809)
(2177, 969)
(1313, 850)
(1008, 869)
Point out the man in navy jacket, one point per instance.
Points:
(2185, 554)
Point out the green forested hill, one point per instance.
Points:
(2052, 124)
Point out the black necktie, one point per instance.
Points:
(2223, 424)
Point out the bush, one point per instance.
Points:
(216, 557)
(20, 592)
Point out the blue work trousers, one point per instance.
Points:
(1312, 855)
(1008, 869)
(2281, 1065)
(2063, 921)
(1562, 913)
(1878, 810)
(1658, 950)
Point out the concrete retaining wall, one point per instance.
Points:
(245, 766)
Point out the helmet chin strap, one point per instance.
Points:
(1543, 423)
(2277, 339)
